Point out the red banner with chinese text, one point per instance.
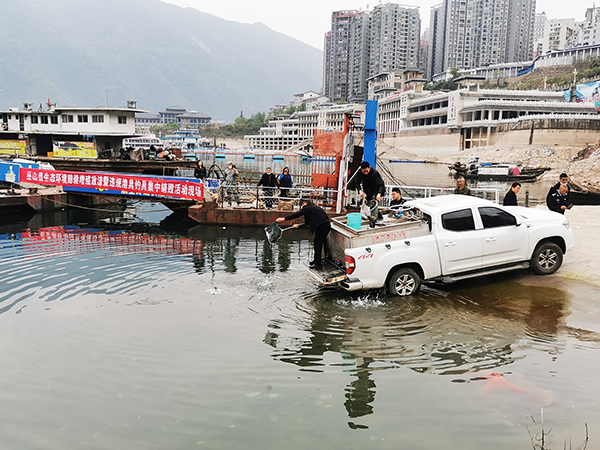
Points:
(57, 240)
(116, 183)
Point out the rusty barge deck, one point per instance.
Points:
(240, 216)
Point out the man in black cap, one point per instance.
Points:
(369, 183)
(269, 181)
(318, 221)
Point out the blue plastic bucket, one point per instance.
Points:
(354, 220)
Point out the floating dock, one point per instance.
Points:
(23, 201)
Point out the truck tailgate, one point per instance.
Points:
(329, 274)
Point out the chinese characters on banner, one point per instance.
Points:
(81, 240)
(123, 184)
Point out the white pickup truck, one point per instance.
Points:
(444, 239)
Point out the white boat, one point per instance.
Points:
(145, 142)
(186, 140)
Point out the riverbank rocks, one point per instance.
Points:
(581, 164)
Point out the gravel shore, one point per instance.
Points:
(581, 164)
(582, 262)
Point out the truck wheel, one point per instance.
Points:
(546, 258)
(404, 282)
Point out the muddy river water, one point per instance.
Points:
(120, 337)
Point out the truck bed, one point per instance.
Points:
(389, 229)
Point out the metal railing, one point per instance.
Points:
(412, 192)
(267, 197)
(270, 197)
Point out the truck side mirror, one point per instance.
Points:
(518, 220)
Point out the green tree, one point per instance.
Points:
(449, 85)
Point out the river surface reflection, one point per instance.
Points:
(179, 336)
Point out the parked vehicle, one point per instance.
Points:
(444, 239)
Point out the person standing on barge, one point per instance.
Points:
(231, 179)
(269, 182)
(200, 170)
(285, 182)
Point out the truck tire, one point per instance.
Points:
(546, 258)
(403, 282)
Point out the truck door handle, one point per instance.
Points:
(449, 244)
(490, 239)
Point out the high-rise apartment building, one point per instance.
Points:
(539, 23)
(557, 33)
(586, 32)
(521, 24)
(360, 30)
(437, 43)
(337, 53)
(395, 33)
(465, 34)
(363, 44)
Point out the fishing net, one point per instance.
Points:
(273, 232)
(370, 211)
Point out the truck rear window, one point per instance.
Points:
(461, 220)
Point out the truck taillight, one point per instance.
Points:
(350, 264)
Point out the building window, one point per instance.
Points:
(122, 119)
(98, 118)
(82, 118)
(34, 119)
(44, 119)
(54, 119)
(67, 118)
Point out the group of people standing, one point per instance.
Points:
(268, 181)
(558, 196)
(557, 199)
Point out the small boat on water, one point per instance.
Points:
(582, 197)
(474, 169)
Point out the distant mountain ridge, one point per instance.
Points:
(105, 52)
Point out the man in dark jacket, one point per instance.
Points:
(563, 180)
(269, 181)
(557, 200)
(318, 221)
(510, 199)
(369, 183)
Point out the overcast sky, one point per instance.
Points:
(309, 20)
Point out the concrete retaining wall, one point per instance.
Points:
(442, 138)
(547, 132)
(539, 132)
